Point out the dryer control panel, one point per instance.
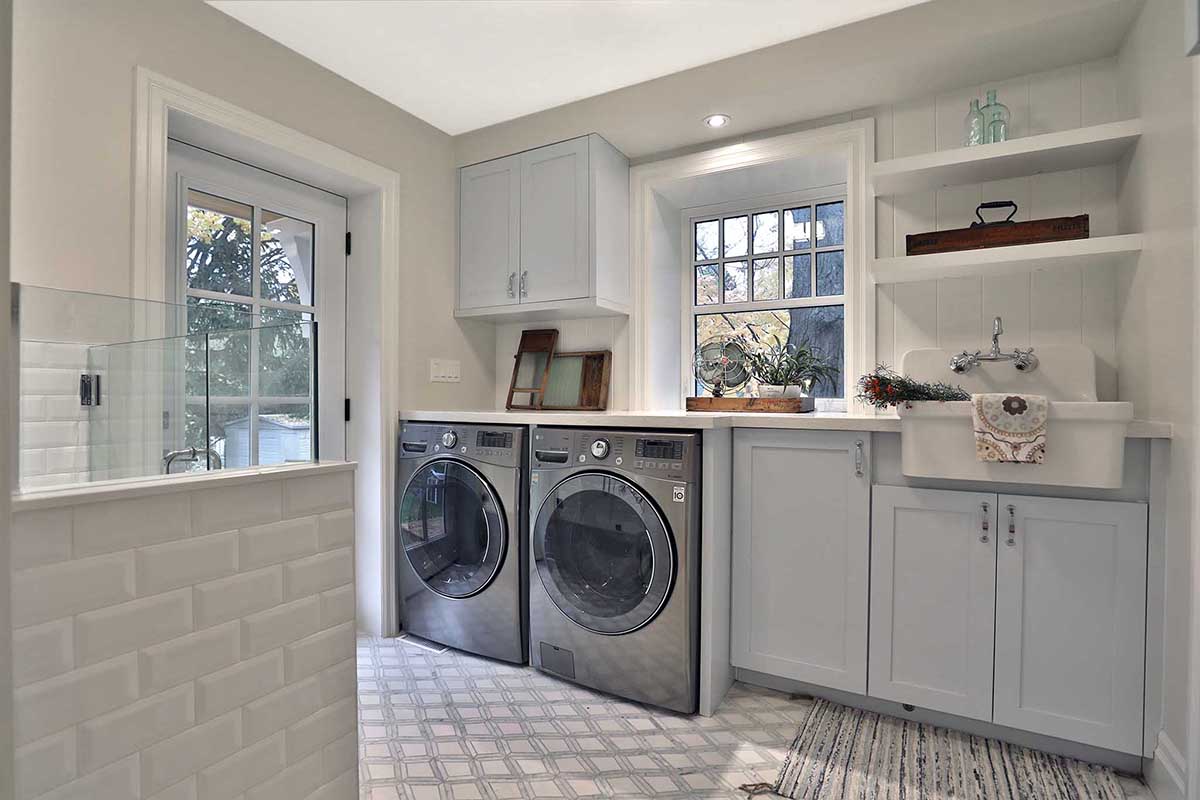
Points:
(499, 445)
(672, 456)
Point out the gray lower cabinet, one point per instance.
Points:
(1028, 612)
(801, 542)
(933, 599)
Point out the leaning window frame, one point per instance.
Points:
(748, 207)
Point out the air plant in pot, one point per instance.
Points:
(790, 370)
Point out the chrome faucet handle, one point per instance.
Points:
(997, 326)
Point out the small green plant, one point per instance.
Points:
(780, 364)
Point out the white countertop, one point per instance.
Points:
(699, 420)
(125, 488)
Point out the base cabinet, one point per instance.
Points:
(1070, 619)
(933, 599)
(1028, 612)
(801, 555)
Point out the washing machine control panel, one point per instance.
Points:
(663, 455)
(494, 445)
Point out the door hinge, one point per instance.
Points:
(347, 242)
(89, 390)
(347, 409)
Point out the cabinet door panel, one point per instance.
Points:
(933, 589)
(554, 222)
(489, 233)
(800, 556)
(1070, 619)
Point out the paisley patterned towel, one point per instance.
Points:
(1010, 428)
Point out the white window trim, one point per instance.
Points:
(748, 207)
(375, 380)
(858, 139)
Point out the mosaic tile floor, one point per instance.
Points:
(455, 727)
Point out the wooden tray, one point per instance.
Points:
(1002, 234)
(774, 405)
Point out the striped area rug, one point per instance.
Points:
(844, 753)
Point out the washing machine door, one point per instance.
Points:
(603, 553)
(451, 528)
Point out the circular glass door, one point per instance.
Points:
(452, 528)
(603, 553)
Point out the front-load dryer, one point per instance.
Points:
(460, 549)
(614, 578)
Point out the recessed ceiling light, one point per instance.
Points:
(716, 120)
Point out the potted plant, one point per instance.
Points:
(788, 370)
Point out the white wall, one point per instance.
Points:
(6, 415)
(1157, 299)
(197, 637)
(1049, 307)
(72, 156)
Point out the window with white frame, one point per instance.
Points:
(774, 273)
(248, 283)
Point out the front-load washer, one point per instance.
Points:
(615, 548)
(460, 550)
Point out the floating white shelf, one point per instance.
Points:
(1047, 152)
(1009, 260)
(581, 308)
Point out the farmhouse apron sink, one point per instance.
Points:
(1085, 438)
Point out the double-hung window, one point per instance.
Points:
(249, 286)
(773, 273)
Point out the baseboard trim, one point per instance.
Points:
(1166, 773)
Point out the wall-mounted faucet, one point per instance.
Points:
(1023, 360)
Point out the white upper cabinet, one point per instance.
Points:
(801, 554)
(555, 264)
(544, 234)
(1070, 619)
(933, 590)
(489, 249)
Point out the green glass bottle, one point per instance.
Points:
(996, 118)
(974, 126)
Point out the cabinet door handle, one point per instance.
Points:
(512, 276)
(524, 278)
(985, 523)
(1012, 526)
(858, 458)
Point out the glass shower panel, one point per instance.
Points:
(116, 388)
(146, 410)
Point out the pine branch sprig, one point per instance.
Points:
(883, 387)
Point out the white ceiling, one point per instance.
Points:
(466, 64)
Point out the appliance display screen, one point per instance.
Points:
(494, 439)
(659, 448)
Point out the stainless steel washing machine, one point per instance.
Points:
(460, 548)
(614, 594)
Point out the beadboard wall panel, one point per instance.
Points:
(1040, 308)
(142, 661)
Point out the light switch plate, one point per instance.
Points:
(444, 370)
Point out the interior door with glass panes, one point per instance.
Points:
(260, 262)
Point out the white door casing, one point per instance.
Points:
(1070, 619)
(933, 591)
(801, 541)
(555, 212)
(489, 233)
(193, 168)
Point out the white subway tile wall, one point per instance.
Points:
(54, 426)
(190, 644)
(1039, 308)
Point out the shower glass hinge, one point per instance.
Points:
(89, 390)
